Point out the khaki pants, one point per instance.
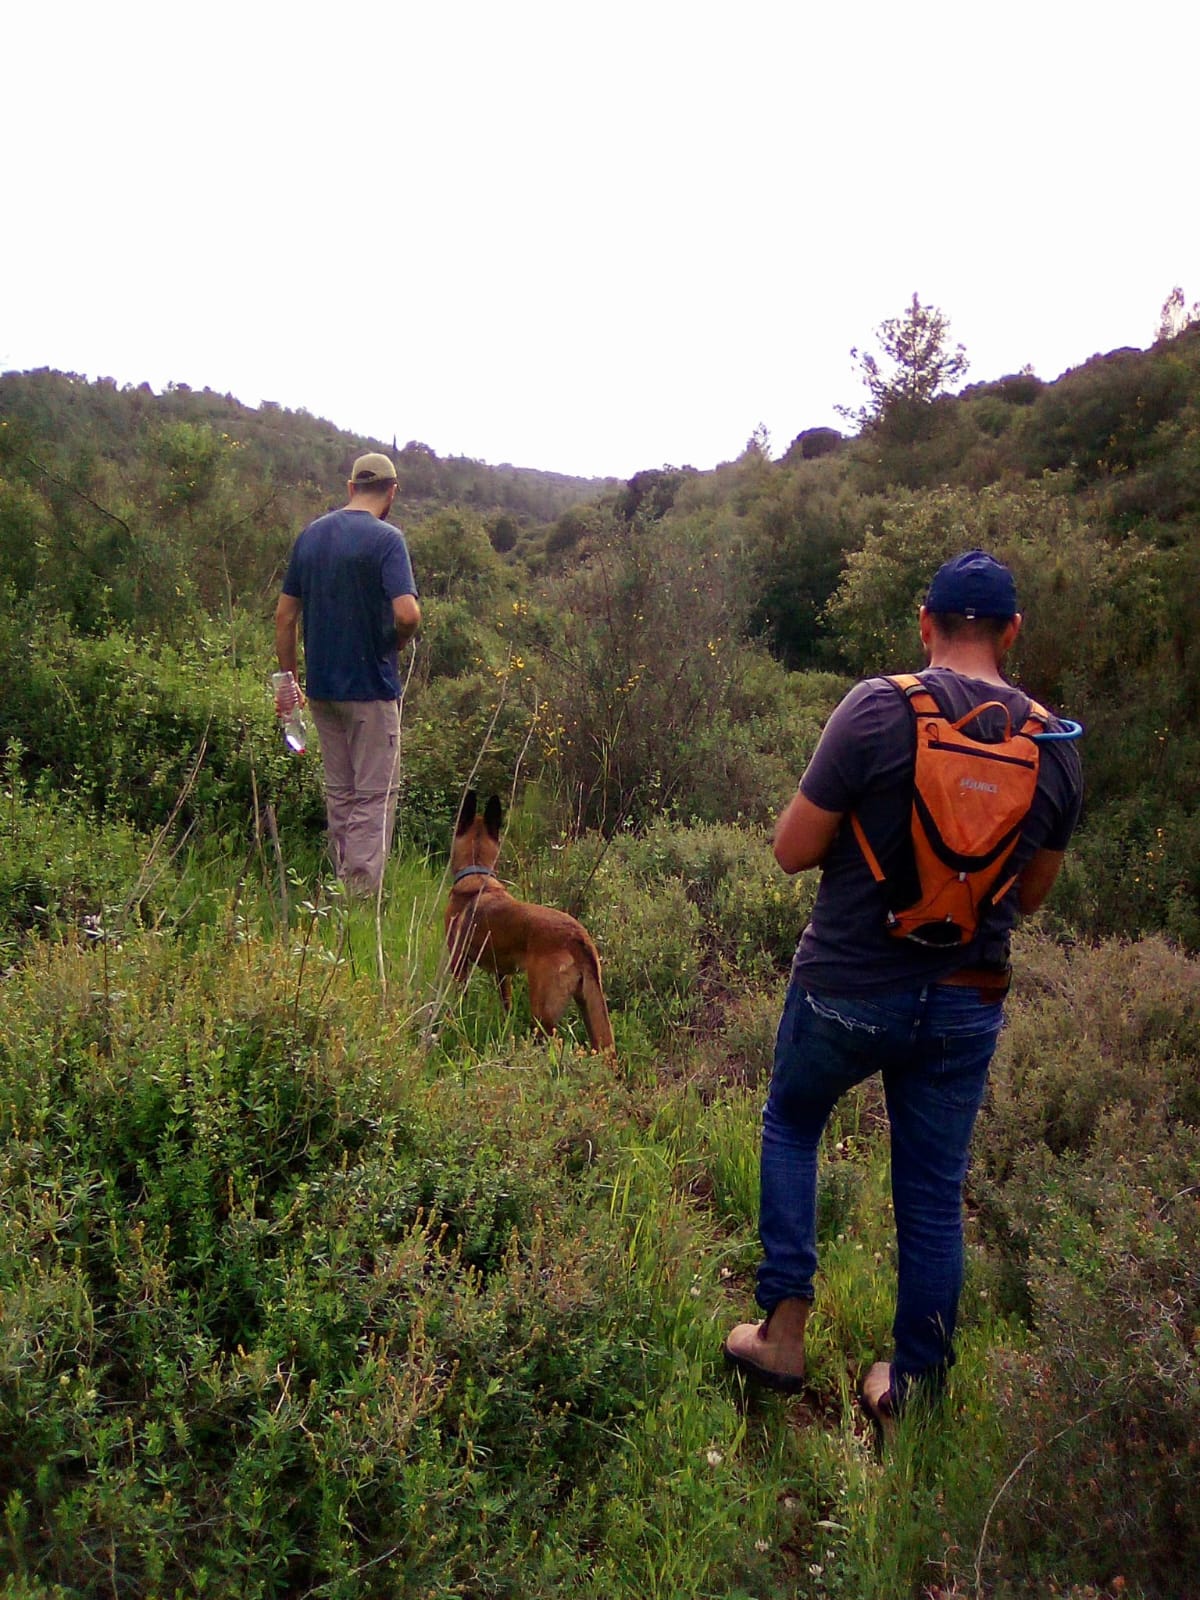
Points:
(360, 752)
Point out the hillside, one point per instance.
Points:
(645, 615)
(281, 446)
(1116, 439)
(320, 1277)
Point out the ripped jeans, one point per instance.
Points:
(933, 1046)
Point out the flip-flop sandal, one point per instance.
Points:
(781, 1382)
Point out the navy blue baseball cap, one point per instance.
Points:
(974, 584)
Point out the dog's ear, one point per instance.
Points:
(466, 812)
(493, 816)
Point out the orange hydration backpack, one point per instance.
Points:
(969, 802)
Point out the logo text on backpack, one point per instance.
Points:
(978, 783)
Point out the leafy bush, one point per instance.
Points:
(271, 1317)
(1102, 419)
(120, 726)
(649, 939)
(875, 607)
(60, 870)
(1134, 869)
(1085, 1182)
(453, 642)
(686, 919)
(475, 727)
(453, 557)
(752, 912)
(915, 445)
(797, 530)
(639, 681)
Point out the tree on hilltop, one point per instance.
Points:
(758, 445)
(1175, 316)
(914, 366)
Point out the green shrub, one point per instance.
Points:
(686, 919)
(992, 415)
(453, 557)
(642, 680)
(274, 1314)
(1105, 1414)
(1088, 1031)
(1134, 868)
(452, 641)
(130, 729)
(748, 1035)
(62, 871)
(752, 912)
(472, 727)
(649, 939)
(1084, 1182)
(1104, 417)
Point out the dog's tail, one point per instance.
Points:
(595, 1009)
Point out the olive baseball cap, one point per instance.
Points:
(974, 584)
(372, 468)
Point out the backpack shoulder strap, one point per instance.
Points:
(921, 698)
(864, 845)
(1037, 714)
(917, 692)
(909, 685)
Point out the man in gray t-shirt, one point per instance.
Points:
(862, 1000)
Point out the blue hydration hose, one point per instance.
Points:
(1066, 730)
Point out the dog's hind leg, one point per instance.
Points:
(553, 981)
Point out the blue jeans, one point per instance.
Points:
(933, 1046)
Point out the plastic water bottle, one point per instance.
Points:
(295, 730)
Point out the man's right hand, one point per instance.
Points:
(288, 696)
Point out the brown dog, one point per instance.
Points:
(486, 927)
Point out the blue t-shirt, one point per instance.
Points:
(346, 568)
(864, 763)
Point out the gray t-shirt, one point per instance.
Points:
(864, 763)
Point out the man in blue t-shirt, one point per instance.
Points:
(350, 578)
(862, 1001)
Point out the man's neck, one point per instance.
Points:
(968, 660)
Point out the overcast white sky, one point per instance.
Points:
(590, 238)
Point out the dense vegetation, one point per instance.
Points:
(318, 1278)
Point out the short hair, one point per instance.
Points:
(953, 625)
(372, 486)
